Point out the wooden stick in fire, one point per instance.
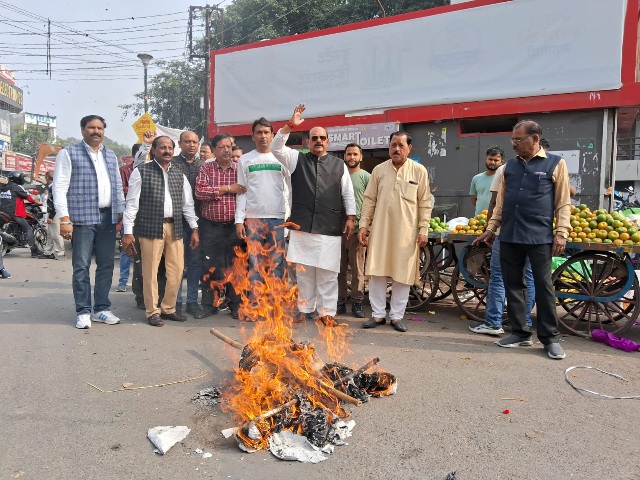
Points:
(357, 372)
(337, 393)
(226, 339)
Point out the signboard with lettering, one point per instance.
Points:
(144, 123)
(11, 96)
(374, 135)
(18, 161)
(37, 119)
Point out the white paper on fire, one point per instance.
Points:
(165, 437)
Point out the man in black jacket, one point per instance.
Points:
(159, 198)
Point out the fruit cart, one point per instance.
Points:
(596, 286)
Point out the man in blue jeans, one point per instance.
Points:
(496, 293)
(262, 208)
(88, 197)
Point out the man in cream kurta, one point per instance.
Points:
(394, 224)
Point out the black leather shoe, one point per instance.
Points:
(49, 256)
(175, 317)
(311, 316)
(399, 326)
(195, 310)
(235, 315)
(357, 310)
(155, 320)
(342, 308)
(208, 310)
(373, 323)
(179, 308)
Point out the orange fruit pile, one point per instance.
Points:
(475, 226)
(601, 226)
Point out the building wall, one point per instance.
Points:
(453, 159)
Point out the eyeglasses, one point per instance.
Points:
(518, 140)
(315, 138)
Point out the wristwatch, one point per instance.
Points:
(565, 235)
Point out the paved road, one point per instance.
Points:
(446, 416)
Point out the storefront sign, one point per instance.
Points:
(20, 162)
(11, 95)
(36, 119)
(374, 135)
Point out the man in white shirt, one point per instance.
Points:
(88, 197)
(262, 207)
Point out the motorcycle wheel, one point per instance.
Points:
(5, 246)
(40, 235)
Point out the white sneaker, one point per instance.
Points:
(486, 328)
(106, 317)
(83, 321)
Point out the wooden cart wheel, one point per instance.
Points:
(596, 290)
(470, 282)
(422, 292)
(444, 255)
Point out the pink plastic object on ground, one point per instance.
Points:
(610, 339)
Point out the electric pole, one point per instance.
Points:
(206, 12)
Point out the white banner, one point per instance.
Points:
(508, 50)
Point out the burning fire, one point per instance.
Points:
(281, 384)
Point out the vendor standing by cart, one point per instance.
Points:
(535, 186)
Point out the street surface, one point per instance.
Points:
(453, 387)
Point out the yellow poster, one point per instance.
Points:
(142, 124)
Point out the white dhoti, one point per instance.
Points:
(317, 259)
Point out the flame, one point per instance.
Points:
(274, 369)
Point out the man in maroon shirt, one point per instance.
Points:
(216, 188)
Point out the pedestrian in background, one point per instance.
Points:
(353, 252)
(54, 248)
(480, 189)
(125, 260)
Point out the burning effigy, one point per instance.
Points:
(282, 396)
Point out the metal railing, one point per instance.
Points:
(628, 148)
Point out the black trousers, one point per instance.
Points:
(512, 260)
(218, 241)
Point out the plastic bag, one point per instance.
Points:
(610, 339)
(457, 221)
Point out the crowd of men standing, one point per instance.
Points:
(192, 213)
(199, 211)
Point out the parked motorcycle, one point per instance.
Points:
(9, 226)
(626, 200)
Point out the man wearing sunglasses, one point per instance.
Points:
(534, 188)
(321, 188)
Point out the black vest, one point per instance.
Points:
(151, 212)
(529, 200)
(317, 194)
